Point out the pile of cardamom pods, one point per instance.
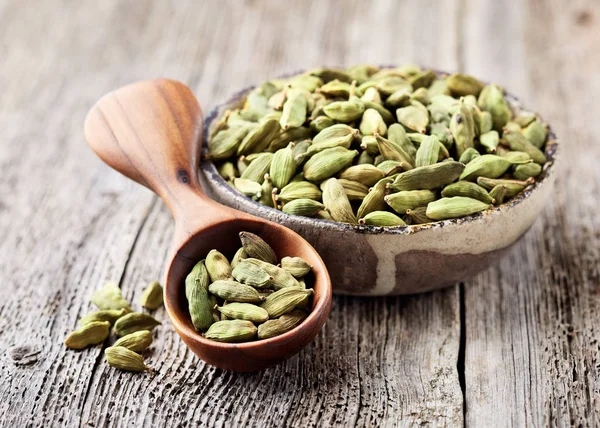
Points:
(134, 329)
(227, 301)
(380, 147)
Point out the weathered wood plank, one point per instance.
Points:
(67, 223)
(532, 352)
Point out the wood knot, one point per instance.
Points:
(24, 355)
(183, 176)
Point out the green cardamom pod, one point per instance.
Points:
(283, 138)
(398, 137)
(511, 127)
(391, 84)
(524, 119)
(490, 166)
(418, 216)
(463, 84)
(428, 177)
(515, 156)
(490, 141)
(382, 219)
(299, 190)
(239, 255)
(337, 203)
(196, 292)
(513, 187)
(135, 342)
(517, 141)
(258, 139)
(303, 207)
(409, 199)
(414, 118)
(438, 87)
(299, 151)
(92, 333)
(285, 300)
(110, 315)
(385, 114)
(428, 151)
(226, 142)
(391, 151)
(228, 171)
(122, 358)
(355, 191)
(152, 297)
(296, 266)
(486, 123)
(233, 291)
(469, 154)
(372, 95)
(365, 174)
(329, 74)
(220, 125)
(362, 72)
(248, 187)
(266, 191)
(462, 128)
(217, 265)
(295, 110)
(281, 325)
(536, 133)
(258, 167)
(369, 144)
(280, 278)
(134, 321)
(335, 89)
(232, 331)
(320, 123)
(457, 206)
(283, 166)
(468, 189)
(423, 79)
(250, 274)
(523, 172)
(344, 111)
(109, 297)
(374, 200)
(328, 163)
(372, 123)
(244, 311)
(421, 95)
(365, 158)
(390, 167)
(498, 193)
(491, 99)
(306, 82)
(257, 248)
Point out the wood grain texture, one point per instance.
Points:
(68, 223)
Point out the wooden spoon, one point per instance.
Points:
(152, 133)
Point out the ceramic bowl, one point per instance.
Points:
(375, 261)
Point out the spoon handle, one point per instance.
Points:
(151, 132)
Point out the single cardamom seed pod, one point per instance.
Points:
(511, 127)
(152, 297)
(391, 151)
(346, 134)
(328, 163)
(92, 333)
(524, 119)
(385, 114)
(418, 216)
(416, 138)
(421, 95)
(296, 266)
(336, 89)
(372, 94)
(329, 74)
(438, 87)
(258, 167)
(226, 142)
(285, 300)
(390, 167)
(299, 151)
(122, 358)
(523, 172)
(239, 255)
(428, 177)
(257, 248)
(344, 111)
(468, 189)
(413, 118)
(249, 188)
(196, 292)
(486, 123)
(513, 187)
(355, 191)
(337, 203)
(244, 311)
(490, 166)
(266, 192)
(457, 206)
(109, 297)
(372, 123)
(241, 164)
(536, 133)
(220, 125)
(389, 85)
(498, 193)
(299, 190)
(259, 138)
(250, 274)
(242, 117)
(320, 123)
(283, 138)
(374, 200)
(280, 278)
(365, 174)
(110, 315)
(428, 152)
(469, 154)
(492, 99)
(409, 199)
(462, 84)
(306, 82)
(517, 141)
(369, 144)
(400, 98)
(134, 321)
(283, 167)
(515, 156)
(490, 141)
(382, 219)
(399, 137)
(303, 207)
(228, 171)
(462, 128)
(232, 331)
(365, 158)
(233, 291)
(135, 342)
(281, 325)
(295, 110)
(422, 79)
(362, 72)
(217, 265)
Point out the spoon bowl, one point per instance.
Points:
(152, 133)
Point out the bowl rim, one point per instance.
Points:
(209, 170)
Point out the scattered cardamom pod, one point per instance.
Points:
(152, 297)
(134, 321)
(109, 297)
(125, 359)
(92, 333)
(136, 342)
(110, 315)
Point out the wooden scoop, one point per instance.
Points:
(152, 133)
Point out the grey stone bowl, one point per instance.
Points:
(375, 261)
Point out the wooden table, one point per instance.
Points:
(516, 346)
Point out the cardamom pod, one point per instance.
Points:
(462, 128)
(382, 219)
(491, 166)
(250, 274)
(468, 189)
(457, 206)
(385, 114)
(329, 74)
(344, 111)
(249, 188)
(226, 142)
(513, 187)
(413, 118)
(391, 151)
(365, 174)
(428, 151)
(244, 311)
(285, 300)
(369, 144)
(122, 358)
(152, 297)
(257, 248)
(423, 79)
(258, 167)
(239, 255)
(462, 84)
(232, 331)
(490, 141)
(498, 193)
(468, 155)
(372, 123)
(517, 141)
(228, 171)
(304, 207)
(374, 201)
(266, 192)
(110, 315)
(283, 166)
(134, 321)
(337, 203)
(511, 127)
(428, 177)
(281, 325)
(299, 151)
(109, 297)
(135, 342)
(196, 292)
(92, 333)
(355, 191)
(486, 123)
(217, 265)
(295, 266)
(491, 99)
(258, 139)
(524, 118)
(409, 199)
(328, 163)
(294, 110)
(233, 291)
(373, 95)
(299, 190)
(421, 95)
(283, 138)
(418, 216)
(536, 133)
(515, 156)
(523, 172)
(320, 123)
(280, 278)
